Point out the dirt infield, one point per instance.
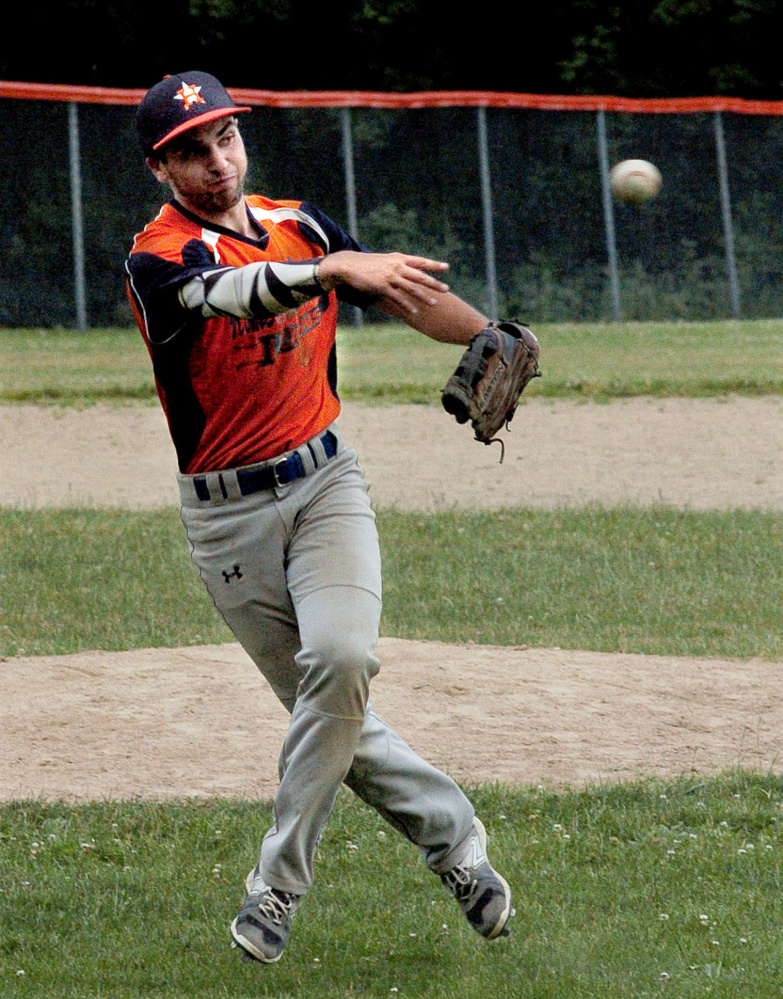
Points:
(199, 721)
(704, 454)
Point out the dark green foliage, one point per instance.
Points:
(418, 190)
(650, 48)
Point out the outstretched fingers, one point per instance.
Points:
(411, 282)
(411, 285)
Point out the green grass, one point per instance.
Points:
(657, 581)
(615, 888)
(663, 359)
(70, 367)
(86, 579)
(601, 360)
(633, 891)
(391, 363)
(660, 581)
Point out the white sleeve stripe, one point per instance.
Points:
(232, 292)
(278, 215)
(253, 291)
(193, 294)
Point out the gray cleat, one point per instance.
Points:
(263, 926)
(482, 894)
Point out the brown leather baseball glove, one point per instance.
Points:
(498, 363)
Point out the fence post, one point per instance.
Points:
(350, 189)
(611, 243)
(77, 217)
(487, 216)
(725, 206)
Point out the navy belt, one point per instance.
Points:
(276, 473)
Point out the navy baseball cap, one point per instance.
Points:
(180, 102)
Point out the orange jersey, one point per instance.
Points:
(236, 391)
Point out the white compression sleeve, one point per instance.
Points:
(254, 291)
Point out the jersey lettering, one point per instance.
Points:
(269, 338)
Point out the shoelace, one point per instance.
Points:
(277, 906)
(460, 882)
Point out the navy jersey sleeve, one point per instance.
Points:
(338, 239)
(155, 285)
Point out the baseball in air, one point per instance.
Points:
(635, 181)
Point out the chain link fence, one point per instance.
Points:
(514, 197)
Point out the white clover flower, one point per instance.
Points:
(663, 916)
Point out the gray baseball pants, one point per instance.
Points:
(295, 572)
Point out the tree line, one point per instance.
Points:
(649, 48)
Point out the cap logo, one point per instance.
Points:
(189, 95)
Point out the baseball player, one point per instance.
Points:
(236, 298)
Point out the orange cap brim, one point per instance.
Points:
(201, 119)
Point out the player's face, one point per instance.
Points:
(206, 168)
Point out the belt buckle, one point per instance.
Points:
(275, 476)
